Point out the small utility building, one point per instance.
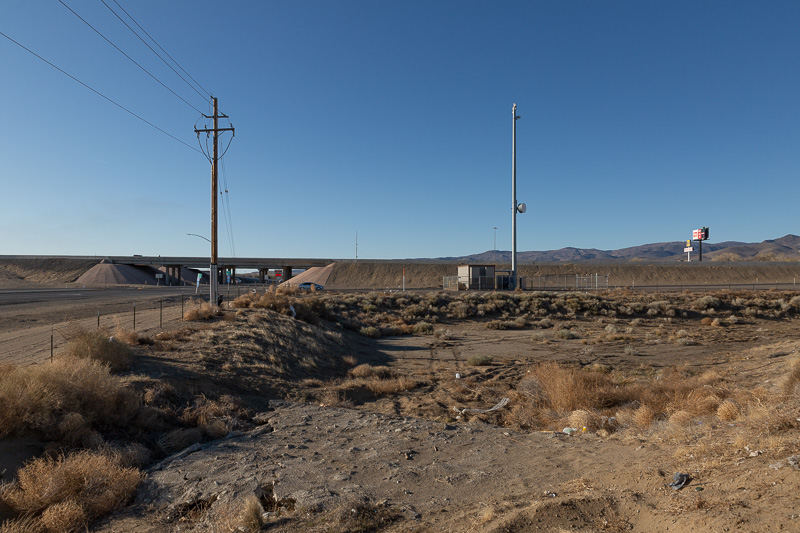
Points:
(476, 277)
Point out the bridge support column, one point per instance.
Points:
(287, 273)
(261, 272)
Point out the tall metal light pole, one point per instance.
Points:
(514, 197)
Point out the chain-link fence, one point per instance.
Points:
(582, 282)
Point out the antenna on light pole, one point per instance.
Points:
(514, 205)
(495, 244)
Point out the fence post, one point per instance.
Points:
(181, 307)
(98, 318)
(51, 345)
(161, 313)
(134, 316)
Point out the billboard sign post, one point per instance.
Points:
(700, 235)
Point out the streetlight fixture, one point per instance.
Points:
(196, 235)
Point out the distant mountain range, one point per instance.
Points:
(784, 249)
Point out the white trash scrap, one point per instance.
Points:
(502, 403)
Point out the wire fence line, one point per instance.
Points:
(598, 282)
(146, 317)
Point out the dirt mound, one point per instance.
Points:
(53, 270)
(107, 273)
(388, 275)
(318, 275)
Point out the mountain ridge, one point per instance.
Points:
(781, 249)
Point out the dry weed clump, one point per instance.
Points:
(480, 360)
(251, 515)
(67, 399)
(728, 411)
(360, 516)
(598, 399)
(67, 492)
(366, 371)
(383, 387)
(97, 345)
(215, 418)
(792, 379)
(201, 311)
(568, 388)
(123, 334)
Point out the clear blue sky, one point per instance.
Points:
(640, 122)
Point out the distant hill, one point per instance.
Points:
(786, 248)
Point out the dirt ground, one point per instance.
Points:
(416, 457)
(444, 472)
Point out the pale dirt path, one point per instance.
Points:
(451, 477)
(466, 477)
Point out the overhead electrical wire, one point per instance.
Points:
(129, 57)
(98, 92)
(226, 211)
(159, 46)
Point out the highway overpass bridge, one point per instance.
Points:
(173, 265)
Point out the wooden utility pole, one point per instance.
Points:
(214, 274)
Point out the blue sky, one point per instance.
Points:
(640, 122)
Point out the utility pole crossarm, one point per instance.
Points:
(212, 130)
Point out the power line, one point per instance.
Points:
(98, 92)
(226, 212)
(129, 57)
(159, 46)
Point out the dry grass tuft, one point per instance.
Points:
(68, 491)
(792, 379)
(480, 360)
(582, 418)
(568, 388)
(123, 334)
(360, 517)
(67, 516)
(728, 411)
(94, 344)
(179, 439)
(251, 516)
(382, 387)
(644, 416)
(366, 371)
(680, 418)
(201, 311)
(70, 395)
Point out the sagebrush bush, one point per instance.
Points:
(480, 360)
(68, 491)
(370, 331)
(422, 328)
(97, 345)
(201, 311)
(66, 395)
(369, 371)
